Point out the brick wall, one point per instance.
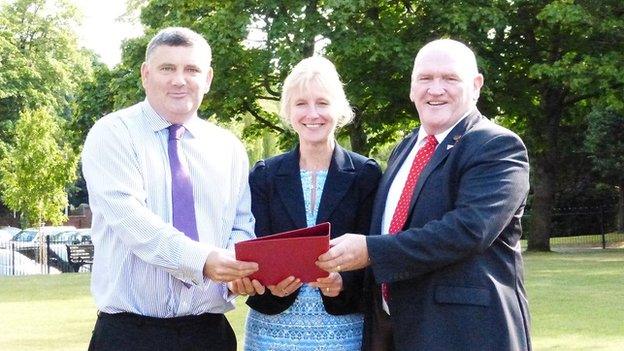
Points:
(79, 218)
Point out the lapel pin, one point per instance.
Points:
(455, 140)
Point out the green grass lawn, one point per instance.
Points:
(46, 312)
(576, 299)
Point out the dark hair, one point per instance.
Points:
(177, 36)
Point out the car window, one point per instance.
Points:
(25, 235)
(62, 236)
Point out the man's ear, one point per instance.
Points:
(209, 77)
(477, 84)
(144, 73)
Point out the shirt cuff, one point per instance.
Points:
(193, 259)
(228, 296)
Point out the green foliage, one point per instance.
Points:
(125, 85)
(94, 99)
(42, 64)
(36, 168)
(605, 140)
(43, 68)
(546, 64)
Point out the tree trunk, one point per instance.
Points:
(545, 167)
(541, 210)
(620, 216)
(358, 137)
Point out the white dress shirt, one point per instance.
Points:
(141, 261)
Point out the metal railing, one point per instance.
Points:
(49, 257)
(581, 226)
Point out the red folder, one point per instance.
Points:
(289, 253)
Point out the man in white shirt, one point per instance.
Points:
(170, 197)
(444, 244)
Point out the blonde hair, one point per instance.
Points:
(316, 70)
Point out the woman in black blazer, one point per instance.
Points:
(316, 182)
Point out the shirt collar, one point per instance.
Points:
(422, 134)
(157, 123)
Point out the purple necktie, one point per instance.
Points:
(181, 187)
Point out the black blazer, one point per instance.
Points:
(277, 204)
(455, 270)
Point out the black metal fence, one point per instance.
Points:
(581, 226)
(49, 257)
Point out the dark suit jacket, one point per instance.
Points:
(277, 204)
(455, 272)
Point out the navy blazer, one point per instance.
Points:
(455, 272)
(277, 204)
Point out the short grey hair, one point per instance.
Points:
(178, 36)
(316, 69)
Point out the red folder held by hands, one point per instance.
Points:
(289, 253)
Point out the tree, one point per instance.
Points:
(42, 64)
(605, 140)
(94, 99)
(548, 62)
(37, 168)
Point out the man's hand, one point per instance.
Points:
(330, 286)
(245, 286)
(347, 253)
(221, 266)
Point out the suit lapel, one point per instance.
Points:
(288, 185)
(388, 178)
(442, 151)
(340, 176)
(402, 154)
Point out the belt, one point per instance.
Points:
(174, 322)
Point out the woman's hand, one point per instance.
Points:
(285, 287)
(330, 286)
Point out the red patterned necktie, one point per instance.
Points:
(400, 213)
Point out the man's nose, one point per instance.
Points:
(178, 78)
(436, 87)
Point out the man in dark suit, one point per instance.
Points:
(444, 243)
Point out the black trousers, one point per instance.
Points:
(127, 331)
(378, 334)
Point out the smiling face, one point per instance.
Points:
(445, 85)
(175, 79)
(312, 115)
